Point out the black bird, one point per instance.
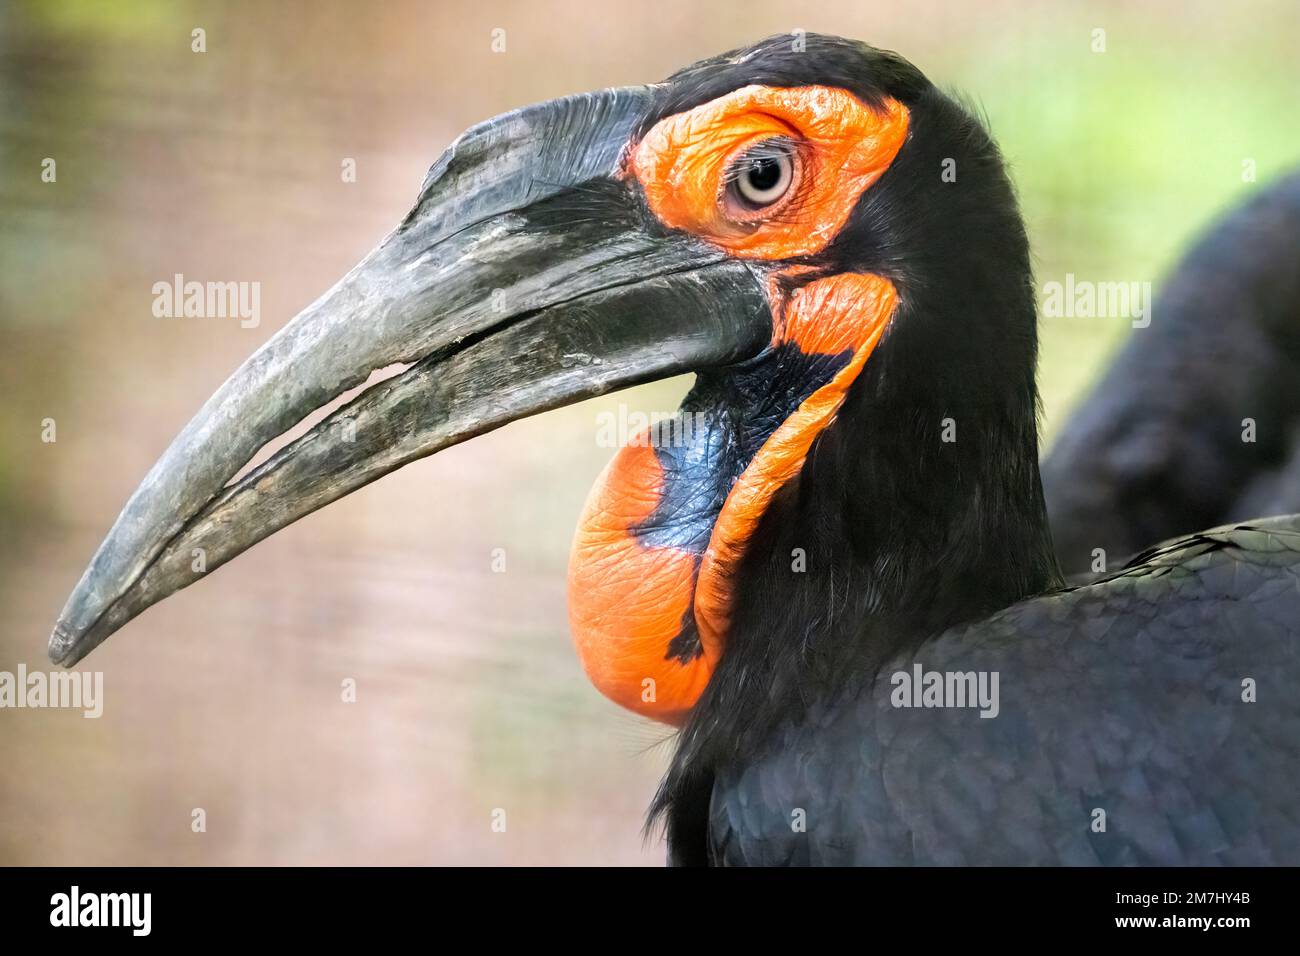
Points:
(1197, 422)
(844, 527)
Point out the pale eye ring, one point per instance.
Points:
(760, 178)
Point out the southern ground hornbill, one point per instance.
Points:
(840, 583)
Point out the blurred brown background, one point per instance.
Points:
(225, 165)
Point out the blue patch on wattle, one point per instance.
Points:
(720, 427)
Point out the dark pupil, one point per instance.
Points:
(764, 173)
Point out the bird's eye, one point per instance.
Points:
(759, 179)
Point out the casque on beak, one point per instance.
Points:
(528, 276)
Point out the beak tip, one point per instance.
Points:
(63, 649)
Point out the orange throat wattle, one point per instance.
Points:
(652, 573)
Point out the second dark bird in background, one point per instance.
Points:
(1159, 447)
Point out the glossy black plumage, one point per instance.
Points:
(1156, 449)
(1124, 695)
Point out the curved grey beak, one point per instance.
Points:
(526, 277)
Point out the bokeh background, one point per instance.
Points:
(226, 166)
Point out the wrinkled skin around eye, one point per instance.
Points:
(844, 147)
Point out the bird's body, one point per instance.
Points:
(863, 501)
(1145, 719)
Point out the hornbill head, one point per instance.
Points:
(774, 220)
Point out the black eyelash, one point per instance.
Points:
(776, 146)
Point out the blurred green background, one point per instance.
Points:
(225, 165)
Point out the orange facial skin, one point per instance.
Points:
(626, 601)
(863, 305)
(842, 147)
(632, 602)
